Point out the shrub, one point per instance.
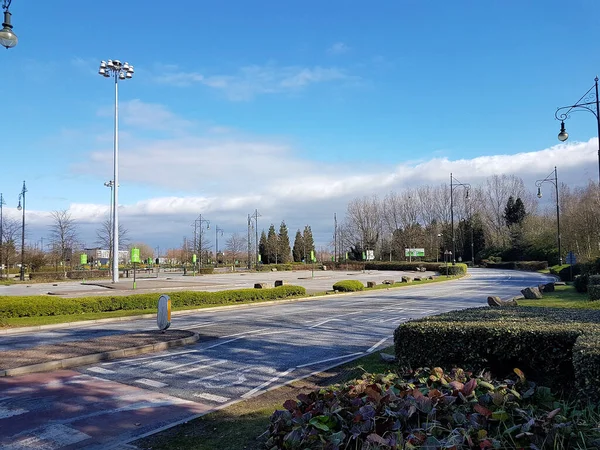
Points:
(540, 340)
(586, 362)
(430, 409)
(581, 282)
(530, 266)
(35, 306)
(348, 286)
(594, 287)
(278, 267)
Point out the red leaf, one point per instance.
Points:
(469, 387)
(290, 405)
(482, 410)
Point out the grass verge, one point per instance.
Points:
(241, 425)
(562, 297)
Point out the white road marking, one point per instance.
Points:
(5, 413)
(330, 359)
(156, 384)
(185, 365)
(377, 345)
(251, 392)
(204, 366)
(212, 397)
(53, 437)
(321, 323)
(121, 361)
(245, 332)
(100, 370)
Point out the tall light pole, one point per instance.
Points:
(119, 71)
(8, 38)
(467, 186)
(2, 202)
(255, 216)
(588, 102)
(109, 184)
(22, 207)
(217, 231)
(553, 180)
(198, 223)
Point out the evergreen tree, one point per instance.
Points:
(262, 247)
(308, 243)
(514, 212)
(298, 250)
(272, 245)
(284, 244)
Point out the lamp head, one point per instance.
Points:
(467, 195)
(563, 135)
(19, 207)
(539, 194)
(8, 39)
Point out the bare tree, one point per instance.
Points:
(236, 245)
(364, 220)
(11, 230)
(104, 238)
(63, 234)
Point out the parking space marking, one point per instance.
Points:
(212, 397)
(100, 370)
(330, 359)
(260, 387)
(152, 383)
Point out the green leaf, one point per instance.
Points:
(500, 415)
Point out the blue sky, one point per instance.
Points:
(289, 107)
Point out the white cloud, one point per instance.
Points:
(251, 81)
(339, 48)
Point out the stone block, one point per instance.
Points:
(260, 285)
(406, 279)
(417, 279)
(388, 282)
(278, 283)
(371, 284)
(532, 293)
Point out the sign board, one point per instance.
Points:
(571, 258)
(370, 255)
(414, 252)
(83, 259)
(194, 258)
(135, 255)
(163, 317)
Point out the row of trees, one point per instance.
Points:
(498, 218)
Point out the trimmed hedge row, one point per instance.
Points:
(35, 306)
(529, 266)
(456, 269)
(278, 267)
(540, 341)
(348, 286)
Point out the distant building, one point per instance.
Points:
(102, 256)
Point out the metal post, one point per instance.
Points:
(249, 245)
(558, 212)
(1, 238)
(115, 223)
(452, 217)
(335, 252)
(22, 271)
(598, 122)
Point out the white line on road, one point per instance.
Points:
(147, 382)
(251, 392)
(330, 359)
(5, 413)
(204, 366)
(121, 361)
(377, 345)
(178, 366)
(324, 322)
(245, 332)
(100, 370)
(212, 397)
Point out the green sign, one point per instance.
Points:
(414, 252)
(364, 255)
(259, 257)
(83, 259)
(312, 256)
(194, 258)
(135, 255)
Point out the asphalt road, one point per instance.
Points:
(242, 352)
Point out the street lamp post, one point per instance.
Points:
(2, 202)
(467, 186)
(553, 180)
(217, 231)
(22, 207)
(119, 71)
(198, 223)
(8, 38)
(588, 102)
(109, 184)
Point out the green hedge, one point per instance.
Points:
(586, 363)
(278, 267)
(348, 286)
(529, 266)
(456, 269)
(35, 306)
(539, 341)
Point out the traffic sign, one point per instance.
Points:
(571, 258)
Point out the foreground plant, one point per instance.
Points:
(431, 409)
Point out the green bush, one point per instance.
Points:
(594, 292)
(278, 267)
(456, 269)
(530, 266)
(35, 306)
(581, 282)
(539, 340)
(586, 362)
(431, 409)
(348, 286)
